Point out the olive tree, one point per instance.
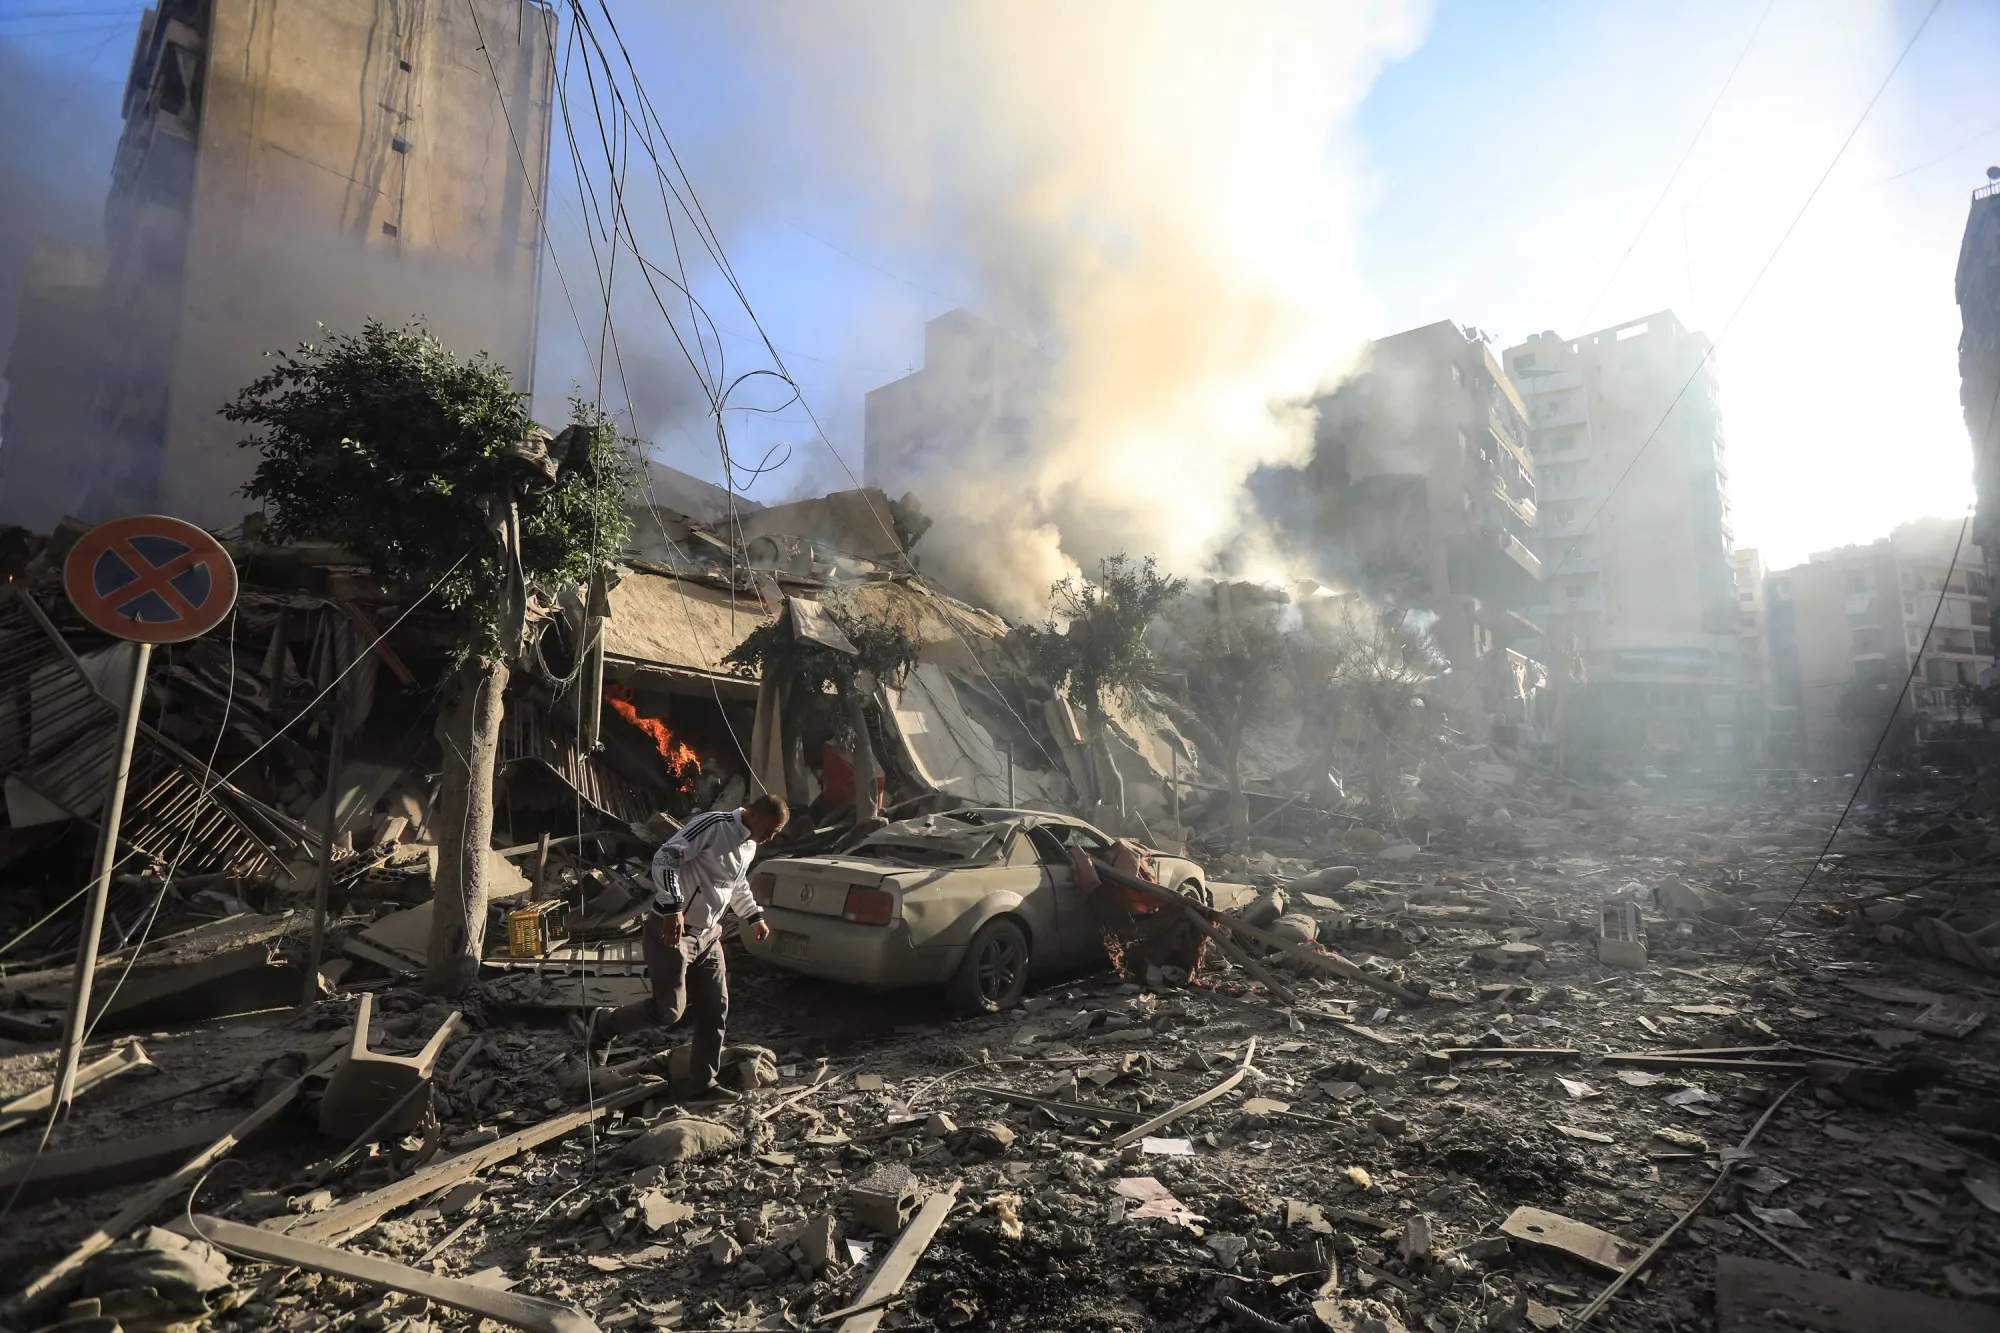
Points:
(429, 469)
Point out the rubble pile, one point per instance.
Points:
(1492, 1152)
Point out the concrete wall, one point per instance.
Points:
(355, 162)
(978, 389)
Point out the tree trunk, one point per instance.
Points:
(1104, 768)
(469, 732)
(865, 807)
(1239, 806)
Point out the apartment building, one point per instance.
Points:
(1858, 619)
(978, 388)
(1421, 484)
(282, 168)
(1633, 532)
(1753, 631)
(1978, 290)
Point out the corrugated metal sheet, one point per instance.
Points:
(678, 625)
(57, 738)
(526, 736)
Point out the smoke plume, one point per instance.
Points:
(1163, 196)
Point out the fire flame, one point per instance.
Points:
(677, 754)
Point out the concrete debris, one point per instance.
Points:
(1473, 1036)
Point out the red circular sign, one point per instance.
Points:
(150, 579)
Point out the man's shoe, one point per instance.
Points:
(593, 1029)
(712, 1092)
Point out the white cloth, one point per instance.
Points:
(704, 869)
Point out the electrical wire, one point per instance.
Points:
(1667, 189)
(1888, 726)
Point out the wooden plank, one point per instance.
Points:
(150, 1199)
(350, 1219)
(1115, 1114)
(535, 1313)
(1642, 1060)
(34, 1105)
(1195, 1103)
(101, 1166)
(902, 1259)
(1235, 954)
(1752, 1296)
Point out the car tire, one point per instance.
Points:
(994, 972)
(1195, 889)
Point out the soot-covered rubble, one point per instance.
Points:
(1365, 1170)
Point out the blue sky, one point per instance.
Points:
(1496, 174)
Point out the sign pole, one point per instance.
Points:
(107, 857)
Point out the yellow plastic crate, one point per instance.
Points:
(531, 930)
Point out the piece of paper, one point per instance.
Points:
(1577, 1088)
(1154, 1200)
(1153, 1147)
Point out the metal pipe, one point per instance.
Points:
(323, 888)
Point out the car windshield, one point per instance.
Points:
(936, 840)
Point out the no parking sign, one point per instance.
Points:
(150, 579)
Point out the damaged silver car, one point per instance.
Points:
(972, 900)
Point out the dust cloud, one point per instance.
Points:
(1163, 197)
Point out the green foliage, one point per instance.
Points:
(884, 650)
(389, 446)
(1100, 646)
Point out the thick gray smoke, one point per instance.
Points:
(1163, 195)
(55, 165)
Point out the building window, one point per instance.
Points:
(1576, 589)
(1867, 640)
(1857, 583)
(389, 229)
(1982, 642)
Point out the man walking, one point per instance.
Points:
(697, 873)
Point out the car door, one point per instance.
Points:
(1081, 939)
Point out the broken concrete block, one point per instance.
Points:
(723, 1251)
(1416, 1242)
(1364, 840)
(1296, 927)
(1682, 901)
(939, 1126)
(884, 1199)
(1324, 880)
(820, 1242)
(657, 1212)
(680, 1141)
(1513, 956)
(1265, 911)
(1388, 1126)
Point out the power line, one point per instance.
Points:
(1708, 353)
(1861, 778)
(1667, 189)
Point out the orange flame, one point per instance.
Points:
(677, 754)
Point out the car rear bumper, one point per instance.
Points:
(878, 957)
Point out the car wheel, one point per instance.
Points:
(995, 970)
(1195, 889)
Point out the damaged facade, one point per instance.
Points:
(281, 169)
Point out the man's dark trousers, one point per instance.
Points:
(685, 979)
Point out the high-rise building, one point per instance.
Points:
(979, 387)
(1857, 618)
(1421, 485)
(284, 168)
(1978, 290)
(1753, 653)
(1634, 537)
